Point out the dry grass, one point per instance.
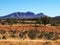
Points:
(29, 42)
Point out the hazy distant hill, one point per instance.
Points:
(57, 17)
(23, 15)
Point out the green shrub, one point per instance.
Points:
(32, 34)
(22, 34)
(40, 35)
(4, 37)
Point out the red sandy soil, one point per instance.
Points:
(30, 27)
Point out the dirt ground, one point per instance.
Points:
(30, 27)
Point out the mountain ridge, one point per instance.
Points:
(24, 15)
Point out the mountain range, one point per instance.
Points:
(24, 15)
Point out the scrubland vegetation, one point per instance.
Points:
(33, 33)
(30, 34)
(42, 20)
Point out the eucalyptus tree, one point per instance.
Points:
(45, 20)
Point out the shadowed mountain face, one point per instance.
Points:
(23, 15)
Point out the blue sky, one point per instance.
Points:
(48, 7)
